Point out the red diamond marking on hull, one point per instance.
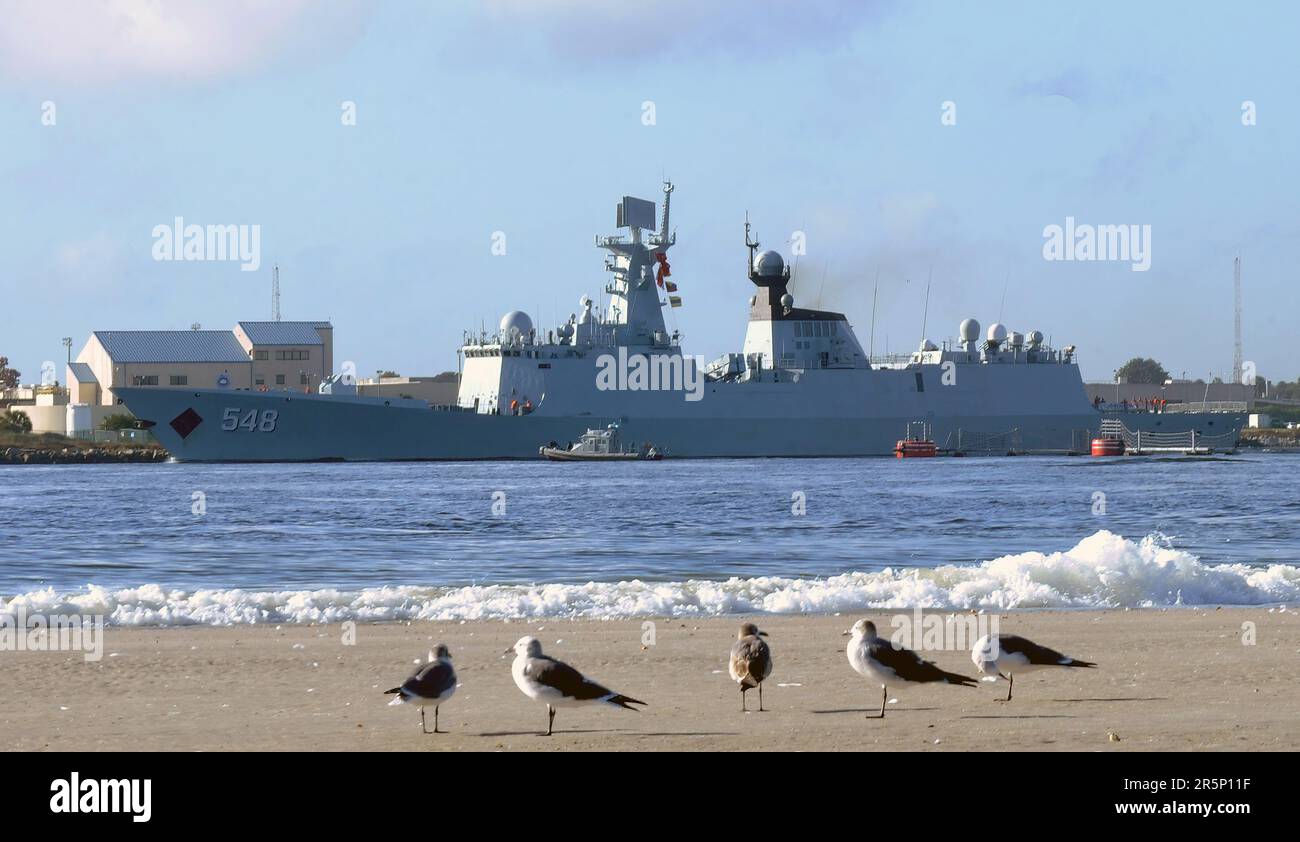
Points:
(185, 423)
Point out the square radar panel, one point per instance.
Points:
(636, 213)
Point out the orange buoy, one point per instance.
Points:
(1107, 447)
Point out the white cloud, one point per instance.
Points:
(598, 31)
(104, 41)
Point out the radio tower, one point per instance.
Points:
(275, 298)
(1236, 321)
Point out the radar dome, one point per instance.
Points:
(516, 323)
(768, 264)
(969, 330)
(787, 301)
(997, 333)
(1035, 338)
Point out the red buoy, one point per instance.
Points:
(1107, 447)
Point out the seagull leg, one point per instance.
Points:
(424, 728)
(1011, 682)
(743, 709)
(760, 698)
(550, 719)
(435, 720)
(884, 697)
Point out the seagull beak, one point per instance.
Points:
(508, 651)
(762, 634)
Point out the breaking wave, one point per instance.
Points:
(1103, 570)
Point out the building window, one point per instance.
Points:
(179, 380)
(302, 379)
(261, 381)
(144, 380)
(260, 355)
(292, 355)
(279, 379)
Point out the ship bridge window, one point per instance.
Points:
(798, 328)
(920, 383)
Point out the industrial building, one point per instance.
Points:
(254, 355)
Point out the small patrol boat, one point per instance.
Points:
(600, 446)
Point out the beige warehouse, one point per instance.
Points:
(271, 355)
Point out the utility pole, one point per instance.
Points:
(1236, 323)
(275, 292)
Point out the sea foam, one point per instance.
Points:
(1103, 570)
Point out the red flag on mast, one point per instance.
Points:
(663, 271)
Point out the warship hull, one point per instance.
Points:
(307, 428)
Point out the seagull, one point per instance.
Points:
(431, 684)
(998, 654)
(556, 683)
(751, 661)
(880, 660)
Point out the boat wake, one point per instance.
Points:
(1104, 570)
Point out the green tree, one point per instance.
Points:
(13, 421)
(1143, 370)
(118, 421)
(8, 376)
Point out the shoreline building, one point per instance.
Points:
(291, 356)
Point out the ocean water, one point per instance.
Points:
(304, 543)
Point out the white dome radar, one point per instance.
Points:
(769, 264)
(516, 324)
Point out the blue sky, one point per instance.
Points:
(525, 116)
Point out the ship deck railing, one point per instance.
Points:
(1207, 406)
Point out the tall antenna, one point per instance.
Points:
(874, 293)
(1236, 320)
(925, 315)
(275, 292)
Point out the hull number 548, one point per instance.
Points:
(254, 421)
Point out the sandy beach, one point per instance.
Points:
(1169, 680)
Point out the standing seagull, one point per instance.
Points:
(1006, 655)
(751, 662)
(431, 684)
(879, 660)
(556, 683)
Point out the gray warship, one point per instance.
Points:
(801, 386)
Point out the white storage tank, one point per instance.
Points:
(80, 419)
